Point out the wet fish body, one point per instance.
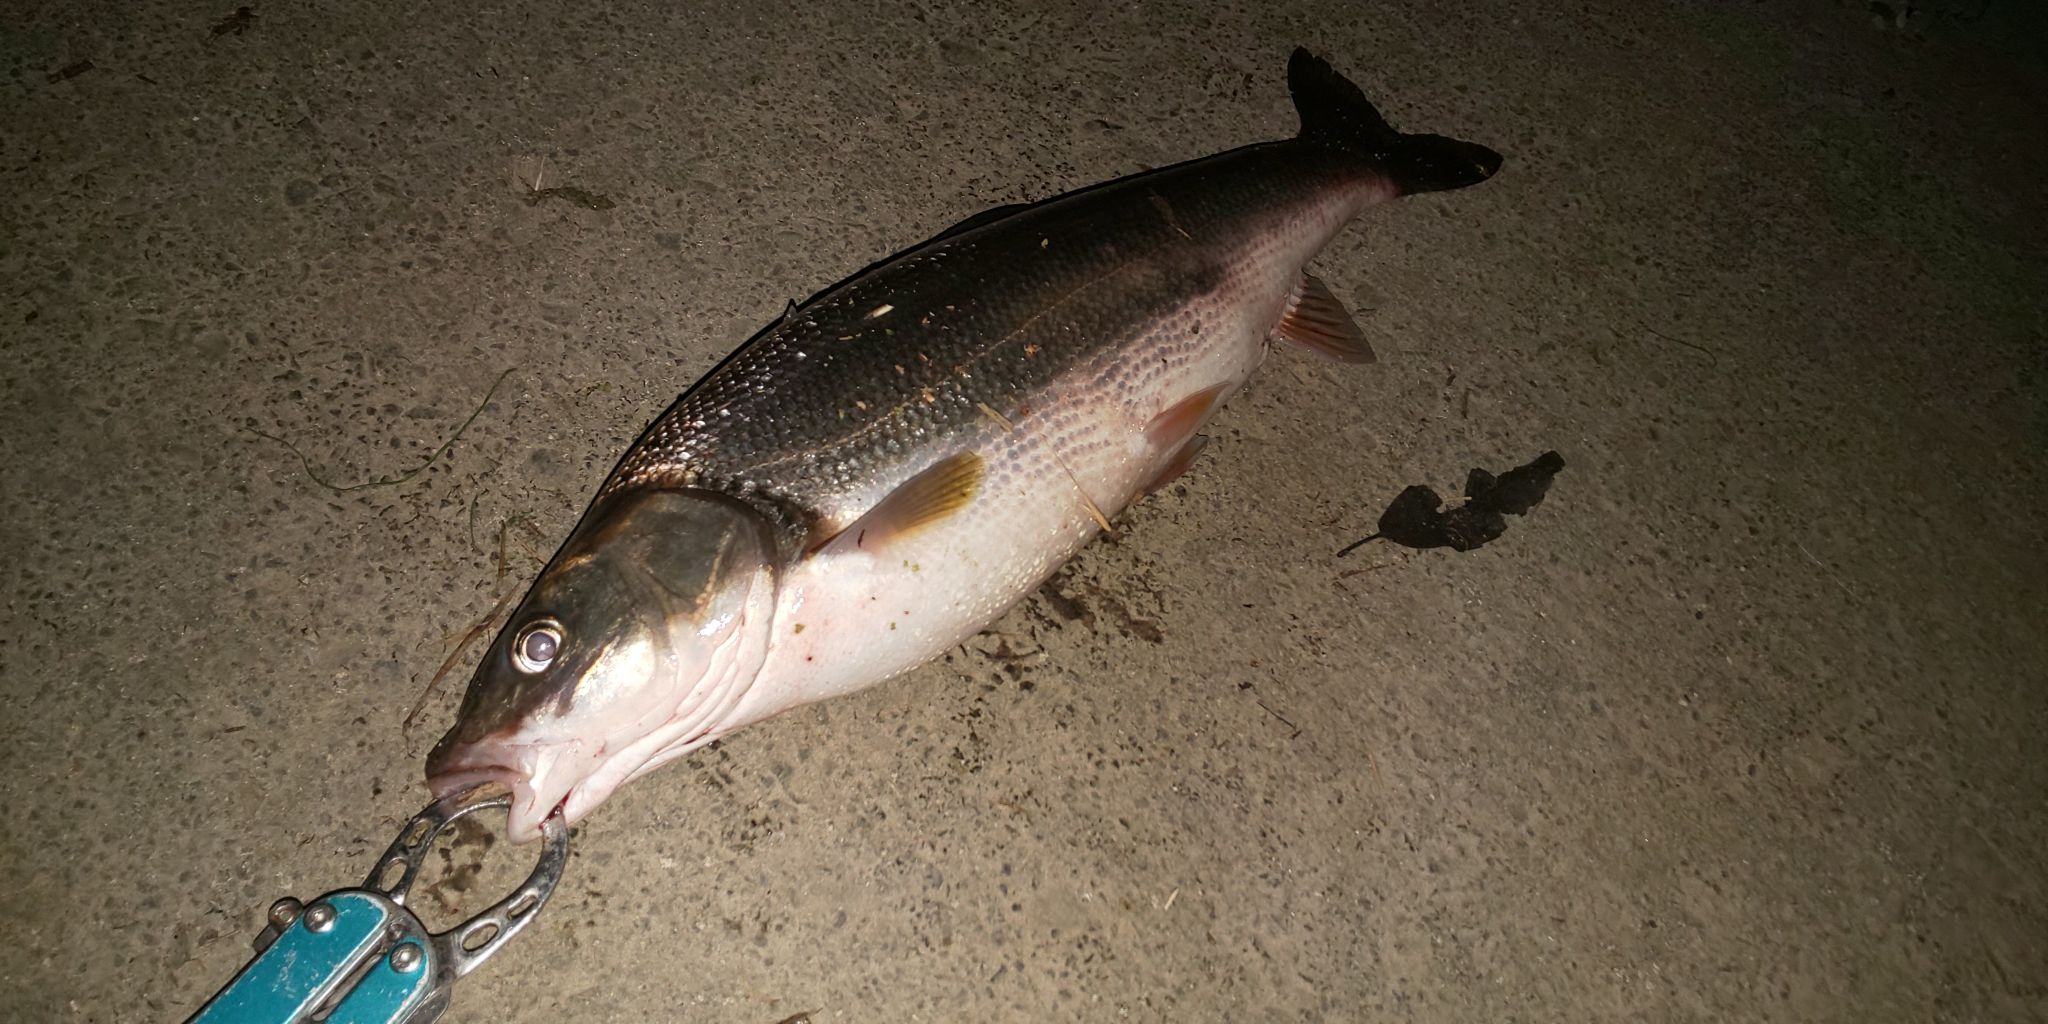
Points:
(892, 465)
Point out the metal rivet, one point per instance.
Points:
(406, 958)
(319, 917)
(284, 912)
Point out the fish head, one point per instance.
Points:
(633, 644)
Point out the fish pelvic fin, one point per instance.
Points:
(1335, 114)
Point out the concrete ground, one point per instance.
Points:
(1744, 723)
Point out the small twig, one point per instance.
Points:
(504, 560)
(1165, 209)
(1355, 545)
(1094, 510)
(1170, 897)
(483, 625)
(1282, 718)
(1348, 573)
(1825, 571)
(472, 519)
(390, 481)
(1087, 503)
(527, 535)
(1712, 359)
(1001, 420)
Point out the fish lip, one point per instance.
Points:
(522, 770)
(450, 783)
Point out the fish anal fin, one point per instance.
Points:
(941, 490)
(1179, 464)
(1172, 427)
(1317, 322)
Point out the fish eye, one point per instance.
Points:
(536, 646)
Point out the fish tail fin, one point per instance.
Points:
(1334, 113)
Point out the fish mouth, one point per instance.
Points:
(535, 777)
(564, 777)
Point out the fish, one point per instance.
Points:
(890, 466)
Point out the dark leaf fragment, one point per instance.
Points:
(1516, 491)
(235, 24)
(69, 71)
(1417, 518)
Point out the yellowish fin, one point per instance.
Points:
(941, 490)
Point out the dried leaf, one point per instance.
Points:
(1417, 518)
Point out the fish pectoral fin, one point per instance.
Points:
(1177, 465)
(1178, 422)
(1318, 323)
(930, 496)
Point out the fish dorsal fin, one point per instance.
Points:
(941, 490)
(985, 217)
(1318, 323)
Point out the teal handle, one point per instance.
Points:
(388, 995)
(315, 955)
(361, 957)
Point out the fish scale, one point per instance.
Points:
(891, 466)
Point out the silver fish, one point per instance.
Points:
(891, 466)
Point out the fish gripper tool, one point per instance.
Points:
(359, 956)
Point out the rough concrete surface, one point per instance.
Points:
(1744, 723)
